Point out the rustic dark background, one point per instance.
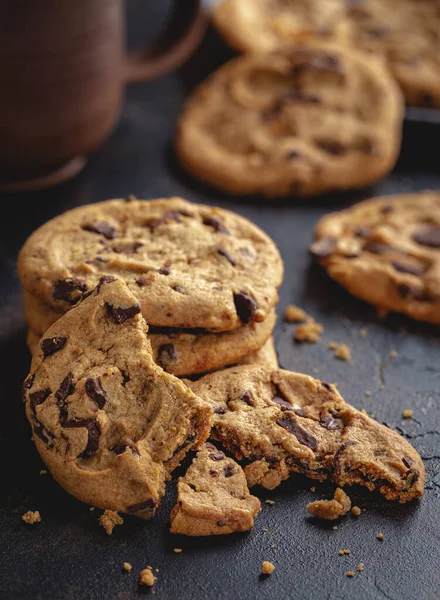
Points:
(68, 556)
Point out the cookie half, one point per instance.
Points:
(286, 422)
(189, 265)
(108, 422)
(386, 251)
(213, 497)
(301, 121)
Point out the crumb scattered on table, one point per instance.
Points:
(393, 353)
(310, 332)
(343, 352)
(146, 577)
(92, 508)
(356, 511)
(294, 314)
(360, 567)
(335, 527)
(331, 509)
(267, 568)
(271, 502)
(31, 517)
(407, 413)
(109, 519)
(43, 472)
(367, 393)
(313, 489)
(344, 552)
(362, 332)
(127, 567)
(265, 529)
(350, 574)
(380, 536)
(177, 550)
(332, 345)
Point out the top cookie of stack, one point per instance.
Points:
(190, 266)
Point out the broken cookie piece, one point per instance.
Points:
(331, 509)
(213, 497)
(109, 519)
(286, 422)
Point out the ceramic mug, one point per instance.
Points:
(63, 69)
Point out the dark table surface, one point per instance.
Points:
(69, 556)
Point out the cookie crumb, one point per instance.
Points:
(146, 577)
(271, 502)
(43, 472)
(265, 529)
(380, 536)
(127, 567)
(343, 352)
(407, 413)
(310, 332)
(294, 314)
(393, 353)
(313, 489)
(177, 550)
(350, 574)
(344, 552)
(332, 346)
(92, 508)
(109, 519)
(331, 509)
(335, 527)
(31, 517)
(356, 511)
(362, 332)
(267, 568)
(360, 567)
(367, 393)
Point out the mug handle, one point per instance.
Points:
(180, 38)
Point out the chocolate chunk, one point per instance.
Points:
(93, 433)
(66, 389)
(172, 215)
(27, 384)
(70, 289)
(103, 228)
(429, 236)
(300, 412)
(331, 146)
(323, 248)
(143, 282)
(125, 378)
(406, 290)
(377, 248)
(43, 434)
(282, 402)
(104, 279)
(213, 473)
(328, 386)
(164, 271)
(165, 355)
(120, 315)
(120, 448)
(229, 470)
(130, 198)
(292, 154)
(407, 461)
(329, 422)
(95, 391)
(218, 410)
(226, 254)
(216, 225)
(412, 476)
(179, 289)
(220, 524)
(245, 306)
(387, 209)
(149, 505)
(37, 398)
(247, 398)
(363, 231)
(288, 423)
(407, 268)
(217, 456)
(189, 440)
(51, 345)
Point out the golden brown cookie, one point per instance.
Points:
(189, 265)
(108, 422)
(406, 33)
(386, 251)
(213, 497)
(284, 422)
(303, 121)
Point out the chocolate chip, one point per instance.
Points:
(43, 434)
(70, 289)
(93, 433)
(377, 248)
(213, 473)
(292, 154)
(120, 315)
(217, 456)
(216, 225)
(226, 254)
(103, 228)
(387, 209)
(130, 198)
(245, 306)
(104, 279)
(247, 398)
(405, 290)
(220, 524)
(407, 268)
(125, 378)
(281, 400)
(407, 461)
(143, 282)
(288, 423)
(229, 470)
(165, 355)
(362, 231)
(218, 410)
(189, 440)
(95, 391)
(323, 248)
(412, 476)
(120, 448)
(37, 398)
(331, 146)
(149, 505)
(27, 384)
(164, 271)
(179, 289)
(330, 423)
(429, 236)
(51, 345)
(300, 412)
(328, 386)
(172, 215)
(66, 389)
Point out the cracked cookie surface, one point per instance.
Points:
(108, 422)
(286, 422)
(305, 120)
(213, 497)
(386, 251)
(406, 33)
(189, 265)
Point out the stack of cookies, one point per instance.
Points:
(196, 271)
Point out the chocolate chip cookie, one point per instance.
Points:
(189, 265)
(386, 251)
(301, 121)
(213, 497)
(108, 422)
(282, 422)
(405, 33)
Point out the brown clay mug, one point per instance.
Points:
(63, 69)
